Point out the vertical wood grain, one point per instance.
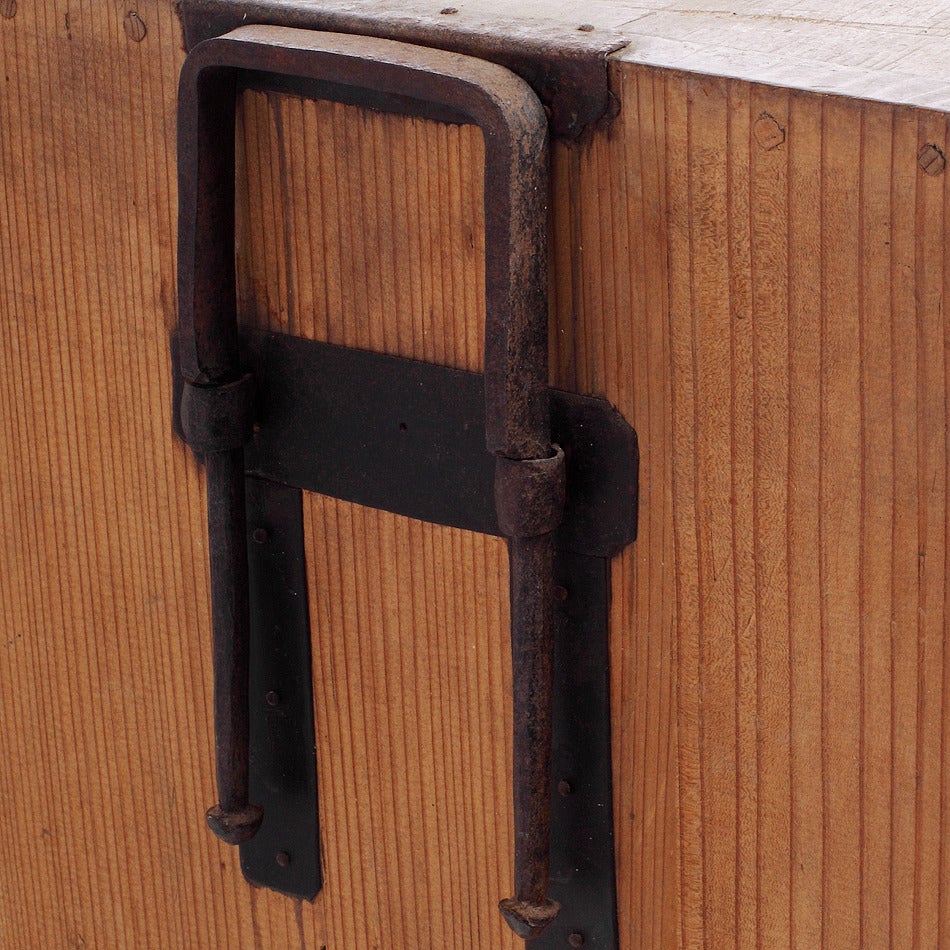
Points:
(806, 388)
(804, 624)
(754, 276)
(105, 669)
(800, 379)
(409, 621)
(877, 518)
(905, 542)
(769, 239)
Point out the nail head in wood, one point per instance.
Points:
(135, 28)
(932, 160)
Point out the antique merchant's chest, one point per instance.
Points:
(474, 458)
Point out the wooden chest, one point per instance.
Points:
(748, 261)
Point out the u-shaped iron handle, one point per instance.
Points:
(217, 403)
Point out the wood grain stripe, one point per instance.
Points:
(755, 276)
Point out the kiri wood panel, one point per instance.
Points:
(755, 276)
(809, 479)
(105, 673)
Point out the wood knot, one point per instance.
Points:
(8, 9)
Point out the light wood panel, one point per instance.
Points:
(105, 667)
(412, 671)
(367, 230)
(756, 767)
(808, 415)
(755, 276)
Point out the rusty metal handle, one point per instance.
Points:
(530, 471)
(217, 421)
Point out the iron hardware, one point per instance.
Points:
(407, 437)
(529, 477)
(566, 67)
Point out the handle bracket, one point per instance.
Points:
(530, 476)
(565, 66)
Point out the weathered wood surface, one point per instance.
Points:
(755, 276)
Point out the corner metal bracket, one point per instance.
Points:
(566, 67)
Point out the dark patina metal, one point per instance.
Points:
(234, 819)
(566, 66)
(407, 437)
(217, 420)
(529, 500)
(517, 418)
(582, 874)
(284, 855)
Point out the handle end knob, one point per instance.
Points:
(527, 918)
(237, 825)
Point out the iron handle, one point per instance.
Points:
(217, 402)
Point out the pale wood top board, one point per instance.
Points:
(885, 51)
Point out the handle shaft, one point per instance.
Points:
(233, 819)
(532, 644)
(529, 499)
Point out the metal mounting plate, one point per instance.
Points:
(285, 853)
(582, 834)
(408, 437)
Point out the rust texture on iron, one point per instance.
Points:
(529, 499)
(530, 471)
(566, 66)
(219, 416)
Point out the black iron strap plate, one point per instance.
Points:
(582, 833)
(565, 66)
(285, 853)
(409, 437)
